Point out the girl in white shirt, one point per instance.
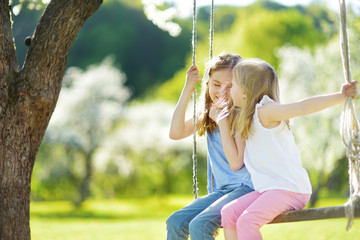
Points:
(260, 122)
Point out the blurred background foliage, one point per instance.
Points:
(108, 136)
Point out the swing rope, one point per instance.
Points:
(194, 157)
(349, 128)
(210, 57)
(211, 29)
(211, 37)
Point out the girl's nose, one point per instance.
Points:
(226, 88)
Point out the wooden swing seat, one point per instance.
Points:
(314, 214)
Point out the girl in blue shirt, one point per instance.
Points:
(201, 218)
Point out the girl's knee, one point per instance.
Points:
(174, 222)
(200, 228)
(176, 227)
(248, 227)
(248, 221)
(228, 217)
(170, 222)
(195, 225)
(228, 212)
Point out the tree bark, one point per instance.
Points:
(27, 100)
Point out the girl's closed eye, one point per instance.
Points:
(216, 84)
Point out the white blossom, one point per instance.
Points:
(162, 18)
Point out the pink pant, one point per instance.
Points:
(249, 212)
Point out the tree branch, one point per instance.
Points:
(8, 60)
(47, 55)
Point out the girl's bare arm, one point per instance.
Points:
(272, 113)
(234, 146)
(180, 127)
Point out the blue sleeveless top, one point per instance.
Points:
(217, 163)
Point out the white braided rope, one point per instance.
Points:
(211, 35)
(195, 183)
(211, 51)
(349, 128)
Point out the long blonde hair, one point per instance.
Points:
(222, 61)
(257, 78)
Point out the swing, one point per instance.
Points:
(211, 37)
(349, 131)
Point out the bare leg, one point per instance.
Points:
(230, 233)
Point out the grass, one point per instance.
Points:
(137, 219)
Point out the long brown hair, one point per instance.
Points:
(257, 78)
(222, 61)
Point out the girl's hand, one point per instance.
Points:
(217, 114)
(192, 77)
(350, 89)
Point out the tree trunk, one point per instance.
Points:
(27, 100)
(85, 182)
(322, 179)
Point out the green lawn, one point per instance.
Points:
(130, 219)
